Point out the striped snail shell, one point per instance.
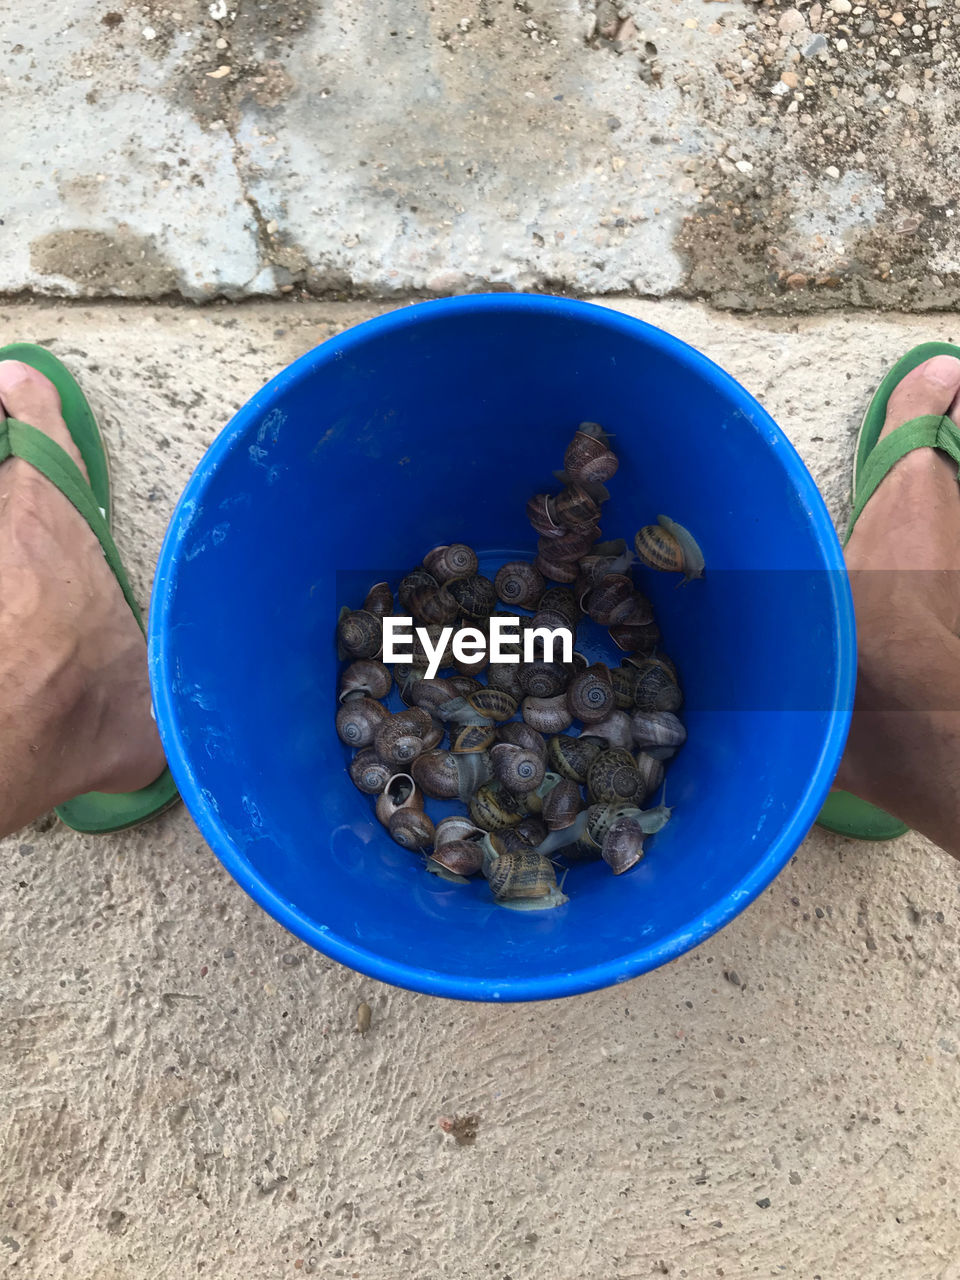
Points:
(622, 846)
(492, 704)
(411, 828)
(590, 695)
(470, 738)
(563, 601)
(492, 806)
(543, 679)
(541, 512)
(532, 829)
(561, 805)
(624, 681)
(359, 634)
(613, 777)
(590, 458)
(358, 720)
(571, 545)
(433, 606)
(436, 774)
(575, 508)
(521, 875)
(367, 676)
(462, 857)
(464, 685)
(611, 593)
(521, 735)
(408, 584)
(547, 715)
(670, 548)
(614, 730)
(517, 768)
(656, 688)
(519, 584)
(640, 641)
(556, 570)
(572, 757)
(430, 695)
(505, 676)
(451, 562)
(379, 600)
(368, 772)
(403, 736)
(475, 596)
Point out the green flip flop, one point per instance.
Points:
(842, 812)
(97, 812)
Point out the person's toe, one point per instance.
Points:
(30, 397)
(933, 387)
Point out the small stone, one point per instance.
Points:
(149, 33)
(691, 24)
(842, 46)
(764, 1203)
(221, 43)
(790, 79)
(732, 976)
(816, 45)
(745, 166)
(898, 19)
(613, 123)
(796, 280)
(907, 94)
(791, 21)
(272, 228)
(917, 29)
(867, 27)
(841, 6)
(832, 171)
(219, 73)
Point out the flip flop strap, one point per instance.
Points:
(931, 431)
(19, 439)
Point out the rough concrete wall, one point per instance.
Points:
(182, 1089)
(756, 155)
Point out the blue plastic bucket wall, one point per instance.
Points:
(436, 423)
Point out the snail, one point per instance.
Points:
(531, 829)
(562, 601)
(358, 720)
(634, 612)
(462, 857)
(463, 686)
(411, 828)
(614, 730)
(505, 676)
(533, 800)
(611, 593)
(430, 695)
(547, 715)
(405, 735)
(379, 600)
(604, 558)
(636, 640)
(562, 805)
(437, 775)
(507, 840)
(401, 792)
(448, 563)
(408, 676)
(572, 757)
(472, 737)
(359, 634)
(517, 768)
(624, 681)
(569, 546)
(541, 512)
(433, 606)
(613, 777)
(669, 547)
(473, 770)
(651, 773)
(656, 688)
(455, 828)
(519, 584)
(556, 570)
(475, 596)
(521, 875)
(368, 772)
(658, 733)
(622, 846)
(543, 679)
(574, 507)
(588, 456)
(367, 676)
(493, 806)
(590, 695)
(409, 584)
(435, 636)
(521, 735)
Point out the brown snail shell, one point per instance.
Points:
(456, 827)
(469, 738)
(624, 681)
(575, 508)
(401, 737)
(532, 829)
(463, 686)
(505, 676)
(613, 777)
(611, 593)
(451, 562)
(651, 774)
(430, 695)
(367, 676)
(436, 774)
(368, 772)
(411, 828)
(521, 735)
(358, 720)
(600, 818)
(571, 546)
(360, 634)
(401, 792)
(433, 606)
(435, 633)
(659, 549)
(615, 730)
(543, 679)
(563, 601)
(510, 840)
(492, 806)
(659, 731)
(519, 584)
(475, 595)
(379, 600)
(547, 715)
(561, 805)
(572, 757)
(521, 875)
(409, 583)
(556, 570)
(622, 846)
(590, 695)
(635, 612)
(493, 704)
(463, 857)
(656, 688)
(517, 768)
(589, 458)
(541, 512)
(640, 640)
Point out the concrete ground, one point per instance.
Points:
(183, 1088)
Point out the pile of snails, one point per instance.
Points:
(551, 761)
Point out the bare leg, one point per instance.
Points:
(74, 693)
(904, 563)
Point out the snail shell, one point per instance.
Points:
(464, 685)
(547, 715)
(543, 679)
(572, 757)
(640, 640)
(368, 772)
(541, 512)
(368, 676)
(472, 737)
(532, 829)
(659, 549)
(622, 846)
(435, 634)
(657, 731)
(475, 595)
(411, 828)
(575, 508)
(433, 606)
(611, 593)
(451, 562)
(651, 774)
(360, 634)
(519, 584)
(561, 600)
(600, 818)
(656, 688)
(472, 666)
(456, 827)
(409, 584)
(624, 681)
(518, 769)
(561, 805)
(492, 806)
(615, 730)
(509, 840)
(556, 570)
(402, 737)
(493, 704)
(436, 774)
(590, 458)
(430, 695)
(462, 857)
(613, 777)
(571, 546)
(521, 735)
(401, 792)
(505, 676)
(521, 875)
(358, 720)
(379, 600)
(590, 695)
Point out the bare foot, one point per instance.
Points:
(75, 703)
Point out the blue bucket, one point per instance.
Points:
(435, 424)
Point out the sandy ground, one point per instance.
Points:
(185, 1093)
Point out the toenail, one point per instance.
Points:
(943, 369)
